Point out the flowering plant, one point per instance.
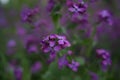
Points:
(59, 40)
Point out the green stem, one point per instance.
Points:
(26, 69)
(91, 43)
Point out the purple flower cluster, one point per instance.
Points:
(105, 56)
(54, 43)
(74, 65)
(105, 16)
(62, 62)
(27, 14)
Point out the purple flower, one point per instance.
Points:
(18, 73)
(79, 7)
(11, 43)
(101, 53)
(104, 64)
(50, 5)
(105, 16)
(52, 57)
(55, 43)
(93, 76)
(16, 69)
(28, 14)
(62, 62)
(32, 49)
(31, 44)
(74, 65)
(105, 56)
(69, 52)
(36, 67)
(11, 47)
(21, 31)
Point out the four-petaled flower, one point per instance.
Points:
(79, 7)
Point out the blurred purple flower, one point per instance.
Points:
(11, 47)
(31, 43)
(102, 53)
(16, 69)
(105, 63)
(62, 61)
(11, 43)
(21, 31)
(18, 73)
(28, 14)
(93, 76)
(36, 67)
(74, 65)
(105, 56)
(50, 5)
(69, 52)
(32, 49)
(79, 7)
(105, 16)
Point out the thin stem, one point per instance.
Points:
(58, 28)
(26, 69)
(91, 45)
